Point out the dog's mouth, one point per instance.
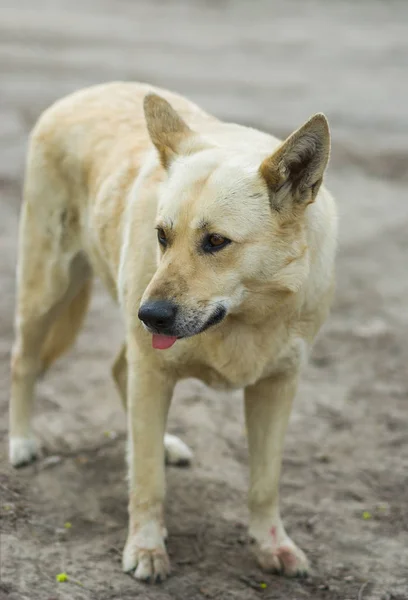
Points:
(217, 316)
(165, 340)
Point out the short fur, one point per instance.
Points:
(95, 190)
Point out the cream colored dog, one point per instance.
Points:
(217, 240)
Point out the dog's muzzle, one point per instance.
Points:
(164, 317)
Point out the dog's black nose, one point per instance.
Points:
(158, 314)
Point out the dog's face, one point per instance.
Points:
(230, 227)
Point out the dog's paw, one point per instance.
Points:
(177, 452)
(276, 552)
(22, 451)
(286, 559)
(145, 555)
(150, 566)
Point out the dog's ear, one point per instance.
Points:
(295, 171)
(167, 130)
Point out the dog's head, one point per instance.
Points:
(230, 224)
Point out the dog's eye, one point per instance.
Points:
(161, 236)
(215, 242)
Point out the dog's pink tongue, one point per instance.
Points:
(162, 342)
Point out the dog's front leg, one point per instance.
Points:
(149, 395)
(267, 408)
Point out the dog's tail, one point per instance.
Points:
(66, 327)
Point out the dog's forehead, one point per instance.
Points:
(228, 194)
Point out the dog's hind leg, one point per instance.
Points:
(53, 289)
(176, 451)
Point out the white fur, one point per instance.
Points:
(177, 452)
(22, 450)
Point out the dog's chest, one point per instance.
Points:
(244, 364)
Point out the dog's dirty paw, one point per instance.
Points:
(22, 451)
(145, 556)
(152, 566)
(285, 559)
(177, 452)
(275, 550)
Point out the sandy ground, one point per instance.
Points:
(270, 65)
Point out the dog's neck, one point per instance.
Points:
(276, 306)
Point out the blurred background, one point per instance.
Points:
(268, 64)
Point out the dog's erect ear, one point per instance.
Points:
(295, 171)
(167, 130)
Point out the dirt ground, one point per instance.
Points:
(345, 473)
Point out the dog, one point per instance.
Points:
(218, 242)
